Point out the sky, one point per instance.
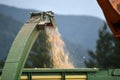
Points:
(64, 7)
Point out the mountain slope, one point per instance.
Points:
(18, 14)
(8, 30)
(79, 32)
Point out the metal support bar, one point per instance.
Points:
(29, 76)
(63, 76)
(22, 45)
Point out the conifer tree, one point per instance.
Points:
(1, 64)
(115, 57)
(39, 56)
(104, 48)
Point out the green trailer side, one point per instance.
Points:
(69, 74)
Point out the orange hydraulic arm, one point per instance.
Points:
(111, 10)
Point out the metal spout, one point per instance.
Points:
(44, 19)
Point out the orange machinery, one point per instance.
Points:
(111, 10)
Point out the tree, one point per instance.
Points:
(115, 57)
(1, 64)
(104, 49)
(39, 56)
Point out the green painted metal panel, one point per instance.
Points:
(22, 45)
(80, 70)
(116, 72)
(103, 75)
(19, 51)
(90, 73)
